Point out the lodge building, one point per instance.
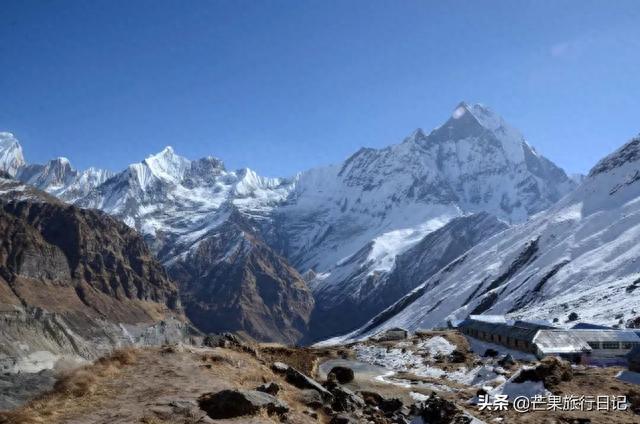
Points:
(605, 346)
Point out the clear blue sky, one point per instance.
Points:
(281, 86)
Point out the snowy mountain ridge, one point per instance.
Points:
(56, 177)
(578, 256)
(169, 193)
(342, 225)
(348, 223)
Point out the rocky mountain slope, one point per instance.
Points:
(342, 226)
(232, 280)
(580, 256)
(75, 282)
(201, 221)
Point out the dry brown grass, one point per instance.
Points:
(72, 388)
(303, 359)
(218, 357)
(77, 383)
(120, 357)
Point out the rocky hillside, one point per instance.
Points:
(580, 256)
(75, 282)
(231, 280)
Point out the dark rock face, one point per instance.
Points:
(342, 419)
(343, 375)
(344, 400)
(232, 281)
(371, 398)
(97, 255)
(630, 152)
(85, 246)
(390, 405)
(269, 388)
(70, 279)
(458, 356)
(491, 353)
(507, 361)
(436, 410)
(238, 403)
(311, 398)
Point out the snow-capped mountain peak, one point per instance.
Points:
(56, 177)
(479, 122)
(59, 178)
(167, 165)
(580, 256)
(481, 113)
(346, 222)
(11, 157)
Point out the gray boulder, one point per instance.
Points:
(279, 367)
(301, 381)
(343, 375)
(392, 334)
(345, 400)
(270, 388)
(311, 398)
(238, 403)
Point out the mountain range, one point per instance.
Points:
(576, 261)
(318, 254)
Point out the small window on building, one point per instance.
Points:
(627, 345)
(610, 345)
(594, 345)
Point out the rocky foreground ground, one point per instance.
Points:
(431, 377)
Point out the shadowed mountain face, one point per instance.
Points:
(435, 251)
(233, 281)
(74, 281)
